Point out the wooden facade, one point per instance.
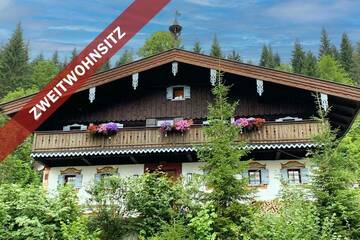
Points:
(130, 138)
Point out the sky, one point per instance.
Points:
(241, 25)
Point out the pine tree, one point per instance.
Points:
(310, 64)
(125, 58)
(14, 66)
(197, 48)
(355, 70)
(277, 60)
(105, 67)
(65, 63)
(298, 58)
(325, 45)
(234, 56)
(215, 48)
(264, 56)
(55, 59)
(73, 54)
(346, 52)
(335, 53)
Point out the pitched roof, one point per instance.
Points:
(270, 75)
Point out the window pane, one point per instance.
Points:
(254, 177)
(294, 176)
(70, 179)
(178, 92)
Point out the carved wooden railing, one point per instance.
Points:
(270, 132)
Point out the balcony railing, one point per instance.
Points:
(271, 132)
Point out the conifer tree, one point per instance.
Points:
(298, 58)
(346, 52)
(55, 59)
(222, 156)
(14, 66)
(105, 67)
(234, 56)
(355, 70)
(264, 56)
(215, 48)
(335, 53)
(73, 54)
(125, 58)
(65, 63)
(310, 64)
(197, 48)
(325, 45)
(277, 60)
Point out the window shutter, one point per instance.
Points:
(169, 93)
(78, 181)
(284, 174)
(61, 180)
(186, 92)
(264, 176)
(304, 175)
(97, 177)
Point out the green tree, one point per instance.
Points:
(43, 72)
(267, 57)
(222, 156)
(277, 60)
(197, 47)
(55, 59)
(335, 53)
(126, 57)
(346, 52)
(215, 50)
(310, 64)
(14, 64)
(333, 182)
(106, 66)
(234, 56)
(74, 53)
(18, 93)
(329, 69)
(65, 63)
(38, 58)
(325, 45)
(157, 43)
(298, 58)
(284, 67)
(355, 70)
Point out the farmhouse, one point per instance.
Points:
(121, 121)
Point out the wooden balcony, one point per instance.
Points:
(271, 132)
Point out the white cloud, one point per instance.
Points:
(4, 4)
(75, 28)
(216, 3)
(310, 11)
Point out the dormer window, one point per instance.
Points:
(178, 93)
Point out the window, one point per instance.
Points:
(179, 92)
(70, 180)
(254, 177)
(294, 176)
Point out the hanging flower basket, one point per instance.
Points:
(104, 129)
(249, 124)
(180, 126)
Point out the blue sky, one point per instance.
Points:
(245, 26)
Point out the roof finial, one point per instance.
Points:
(176, 28)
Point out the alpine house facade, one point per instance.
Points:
(112, 125)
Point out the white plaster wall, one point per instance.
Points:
(88, 173)
(268, 192)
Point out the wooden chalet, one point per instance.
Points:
(175, 85)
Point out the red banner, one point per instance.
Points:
(81, 68)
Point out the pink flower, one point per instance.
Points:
(241, 122)
(182, 125)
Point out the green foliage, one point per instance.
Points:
(174, 231)
(329, 69)
(43, 72)
(55, 59)
(157, 43)
(325, 45)
(284, 67)
(310, 64)
(355, 70)
(234, 56)
(19, 93)
(222, 163)
(74, 53)
(202, 223)
(333, 179)
(277, 60)
(78, 230)
(268, 59)
(17, 168)
(14, 66)
(106, 66)
(197, 48)
(126, 57)
(296, 218)
(298, 58)
(215, 50)
(346, 52)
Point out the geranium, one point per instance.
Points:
(92, 128)
(104, 128)
(241, 122)
(182, 125)
(249, 124)
(111, 128)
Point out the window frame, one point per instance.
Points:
(292, 180)
(257, 172)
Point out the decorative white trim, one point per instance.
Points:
(92, 93)
(135, 80)
(324, 101)
(175, 68)
(213, 74)
(260, 87)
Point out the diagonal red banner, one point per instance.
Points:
(81, 68)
